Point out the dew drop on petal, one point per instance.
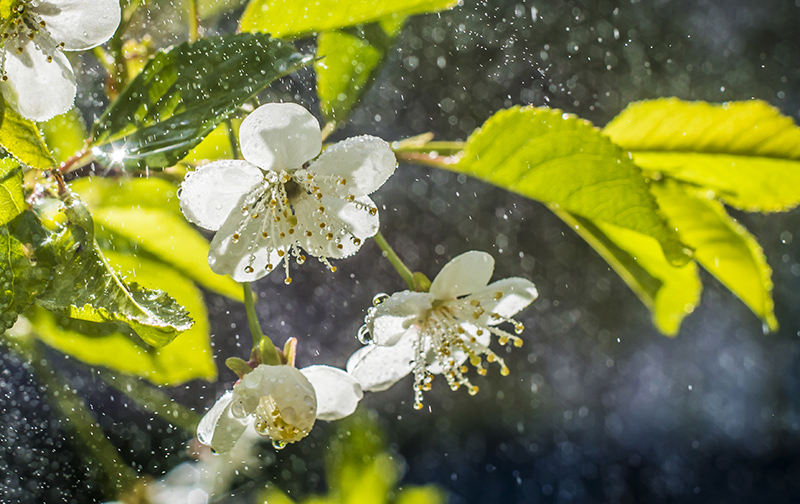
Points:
(364, 336)
(379, 298)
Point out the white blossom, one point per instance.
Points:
(281, 402)
(36, 78)
(435, 332)
(277, 202)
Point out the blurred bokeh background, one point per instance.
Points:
(599, 407)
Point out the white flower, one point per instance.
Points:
(281, 402)
(435, 332)
(276, 202)
(37, 79)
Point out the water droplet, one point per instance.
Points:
(379, 298)
(364, 336)
(279, 445)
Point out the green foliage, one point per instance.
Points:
(86, 287)
(65, 135)
(345, 67)
(670, 292)
(722, 246)
(209, 8)
(563, 161)
(22, 139)
(12, 199)
(183, 93)
(142, 216)
(283, 18)
(745, 153)
(188, 357)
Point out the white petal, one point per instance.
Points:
(80, 24)
(363, 162)
(210, 193)
(463, 275)
(38, 90)
(504, 297)
(379, 367)
(338, 393)
(350, 225)
(397, 315)
(219, 428)
(227, 256)
(280, 136)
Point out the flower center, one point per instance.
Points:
(270, 422)
(19, 24)
(283, 230)
(452, 331)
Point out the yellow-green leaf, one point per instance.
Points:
(65, 134)
(722, 246)
(188, 357)
(669, 292)
(12, 199)
(208, 8)
(99, 192)
(22, 139)
(284, 18)
(564, 161)
(746, 153)
(344, 66)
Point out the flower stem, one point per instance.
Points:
(328, 129)
(232, 139)
(194, 21)
(394, 259)
(266, 348)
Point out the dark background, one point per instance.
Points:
(599, 407)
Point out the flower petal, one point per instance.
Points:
(504, 297)
(210, 193)
(280, 136)
(219, 428)
(80, 24)
(245, 259)
(363, 163)
(338, 393)
(35, 88)
(347, 224)
(395, 316)
(464, 274)
(379, 367)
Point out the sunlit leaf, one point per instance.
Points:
(284, 18)
(183, 93)
(12, 199)
(209, 8)
(22, 139)
(669, 292)
(86, 286)
(344, 66)
(722, 246)
(65, 134)
(216, 145)
(564, 161)
(144, 213)
(428, 494)
(747, 153)
(188, 357)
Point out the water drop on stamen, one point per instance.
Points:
(279, 445)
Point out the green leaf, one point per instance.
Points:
(12, 199)
(85, 286)
(65, 134)
(344, 66)
(188, 357)
(564, 161)
(144, 213)
(25, 266)
(669, 292)
(209, 8)
(747, 153)
(183, 93)
(427, 494)
(22, 139)
(722, 246)
(284, 18)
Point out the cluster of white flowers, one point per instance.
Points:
(36, 78)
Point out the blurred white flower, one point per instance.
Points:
(435, 332)
(36, 78)
(281, 402)
(275, 202)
